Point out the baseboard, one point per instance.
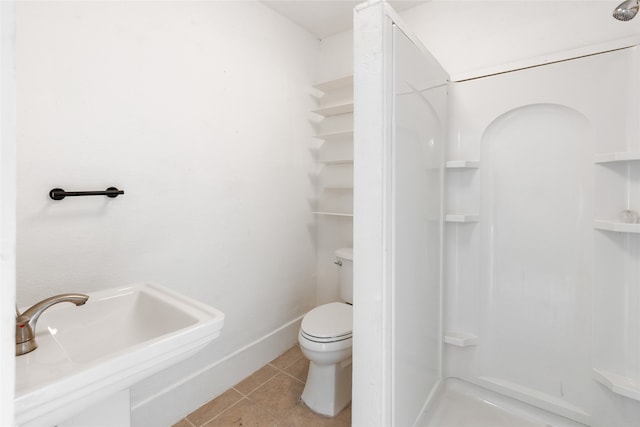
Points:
(173, 403)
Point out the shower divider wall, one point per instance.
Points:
(398, 221)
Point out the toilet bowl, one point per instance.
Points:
(325, 339)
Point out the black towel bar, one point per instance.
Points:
(59, 193)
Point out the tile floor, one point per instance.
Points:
(270, 397)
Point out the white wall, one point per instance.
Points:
(199, 111)
(336, 56)
(7, 210)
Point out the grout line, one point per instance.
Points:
(239, 392)
(295, 378)
(225, 410)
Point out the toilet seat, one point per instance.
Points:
(328, 323)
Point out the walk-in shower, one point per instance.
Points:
(529, 297)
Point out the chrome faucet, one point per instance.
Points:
(26, 322)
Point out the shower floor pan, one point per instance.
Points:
(462, 404)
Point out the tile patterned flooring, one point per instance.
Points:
(270, 397)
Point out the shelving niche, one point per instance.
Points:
(614, 158)
(462, 166)
(333, 149)
(617, 174)
(335, 129)
(462, 208)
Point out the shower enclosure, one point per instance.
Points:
(518, 268)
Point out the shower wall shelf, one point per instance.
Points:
(619, 156)
(462, 218)
(343, 214)
(336, 135)
(338, 83)
(619, 227)
(618, 384)
(462, 164)
(335, 110)
(460, 339)
(336, 161)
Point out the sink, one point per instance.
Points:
(116, 339)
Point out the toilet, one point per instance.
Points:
(325, 338)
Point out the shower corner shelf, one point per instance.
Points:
(342, 214)
(462, 164)
(618, 384)
(462, 218)
(619, 227)
(460, 339)
(618, 156)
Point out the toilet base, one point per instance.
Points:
(328, 387)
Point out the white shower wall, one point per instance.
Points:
(199, 111)
(549, 302)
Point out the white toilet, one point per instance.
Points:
(326, 339)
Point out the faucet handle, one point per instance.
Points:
(25, 341)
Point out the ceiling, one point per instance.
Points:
(324, 18)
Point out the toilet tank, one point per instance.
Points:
(345, 256)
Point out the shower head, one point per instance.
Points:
(626, 10)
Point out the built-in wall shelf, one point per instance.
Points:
(618, 384)
(460, 339)
(620, 156)
(619, 227)
(343, 214)
(336, 135)
(338, 187)
(336, 161)
(335, 110)
(462, 164)
(334, 84)
(462, 218)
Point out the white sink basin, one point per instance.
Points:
(117, 338)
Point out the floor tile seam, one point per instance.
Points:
(288, 364)
(241, 393)
(294, 377)
(224, 410)
(253, 390)
(248, 395)
(189, 421)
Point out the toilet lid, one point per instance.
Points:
(333, 320)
